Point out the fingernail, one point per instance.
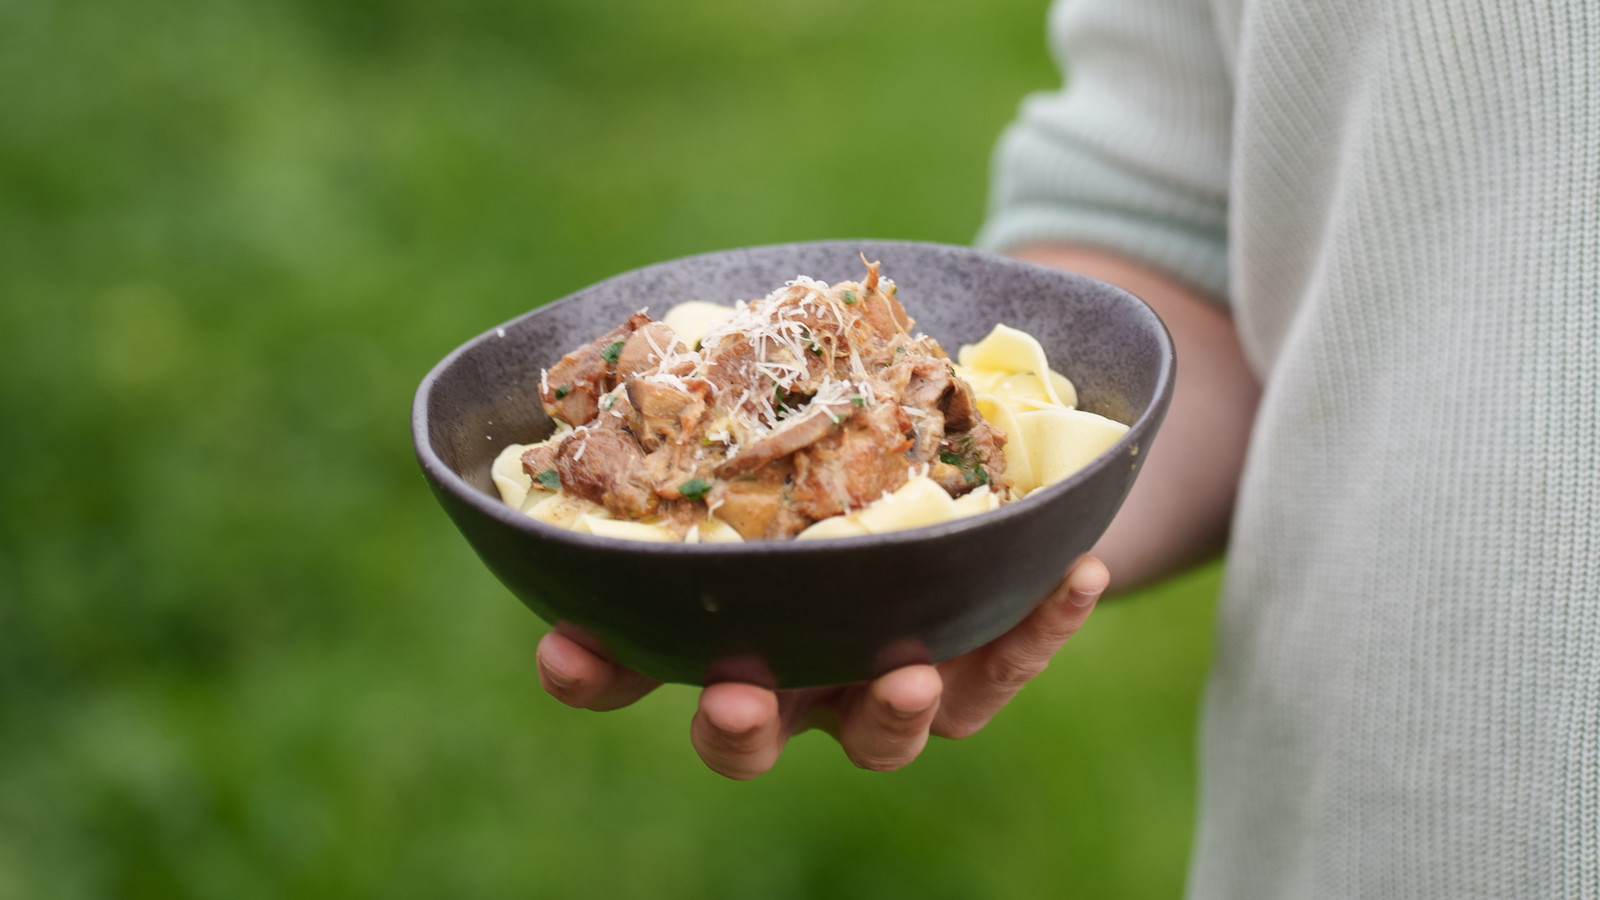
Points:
(902, 712)
(556, 679)
(735, 732)
(1081, 599)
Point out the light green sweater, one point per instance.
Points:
(1400, 201)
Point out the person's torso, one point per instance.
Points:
(1406, 699)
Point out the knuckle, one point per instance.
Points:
(955, 731)
(962, 726)
(1054, 630)
(1010, 673)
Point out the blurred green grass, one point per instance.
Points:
(243, 654)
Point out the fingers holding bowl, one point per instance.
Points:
(581, 679)
(886, 725)
(737, 729)
(980, 683)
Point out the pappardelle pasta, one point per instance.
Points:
(814, 412)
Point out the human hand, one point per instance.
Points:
(740, 729)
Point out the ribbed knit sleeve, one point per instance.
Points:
(1132, 155)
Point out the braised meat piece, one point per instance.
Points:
(539, 459)
(970, 459)
(854, 465)
(606, 466)
(961, 450)
(793, 435)
(571, 389)
(929, 384)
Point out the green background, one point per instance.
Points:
(242, 652)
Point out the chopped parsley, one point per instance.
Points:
(694, 488)
(563, 390)
(971, 466)
(849, 298)
(551, 479)
(859, 400)
(611, 353)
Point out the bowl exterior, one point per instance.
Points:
(792, 614)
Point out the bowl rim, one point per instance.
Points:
(448, 479)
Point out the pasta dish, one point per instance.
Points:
(814, 412)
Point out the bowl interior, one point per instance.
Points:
(485, 395)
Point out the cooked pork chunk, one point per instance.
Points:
(855, 464)
(606, 466)
(572, 388)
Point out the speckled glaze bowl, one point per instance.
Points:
(795, 614)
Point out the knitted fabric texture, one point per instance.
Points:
(1400, 202)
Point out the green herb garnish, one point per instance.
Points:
(859, 400)
(849, 298)
(972, 470)
(611, 353)
(694, 488)
(551, 479)
(563, 390)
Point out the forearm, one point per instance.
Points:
(1178, 512)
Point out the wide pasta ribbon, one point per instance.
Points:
(1047, 438)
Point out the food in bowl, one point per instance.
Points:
(814, 412)
(792, 613)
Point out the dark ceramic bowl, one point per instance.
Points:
(794, 614)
